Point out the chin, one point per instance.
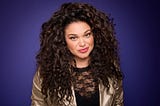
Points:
(83, 57)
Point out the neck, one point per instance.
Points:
(80, 63)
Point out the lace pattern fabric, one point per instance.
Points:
(85, 83)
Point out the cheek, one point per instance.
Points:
(92, 41)
(71, 46)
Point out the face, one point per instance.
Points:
(79, 39)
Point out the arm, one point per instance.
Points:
(37, 97)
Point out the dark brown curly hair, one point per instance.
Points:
(54, 58)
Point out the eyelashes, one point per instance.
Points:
(88, 34)
(75, 37)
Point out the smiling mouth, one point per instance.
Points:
(84, 50)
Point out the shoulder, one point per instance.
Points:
(115, 83)
(37, 81)
(113, 86)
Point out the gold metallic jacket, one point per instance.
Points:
(112, 97)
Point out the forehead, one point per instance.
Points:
(77, 27)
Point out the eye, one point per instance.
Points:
(88, 34)
(73, 38)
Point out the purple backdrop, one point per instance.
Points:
(136, 27)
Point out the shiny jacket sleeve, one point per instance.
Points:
(37, 97)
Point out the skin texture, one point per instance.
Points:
(80, 42)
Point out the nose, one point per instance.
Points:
(81, 42)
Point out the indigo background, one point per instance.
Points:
(137, 31)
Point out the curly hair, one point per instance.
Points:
(54, 58)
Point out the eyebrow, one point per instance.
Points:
(87, 30)
(84, 32)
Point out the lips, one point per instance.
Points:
(84, 50)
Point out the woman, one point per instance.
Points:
(78, 62)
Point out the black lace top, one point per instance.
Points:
(86, 87)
